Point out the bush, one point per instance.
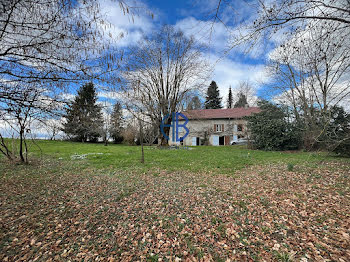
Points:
(334, 133)
(343, 149)
(117, 139)
(130, 135)
(270, 129)
(338, 131)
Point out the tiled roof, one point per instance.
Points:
(221, 113)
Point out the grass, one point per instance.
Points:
(290, 167)
(223, 160)
(207, 203)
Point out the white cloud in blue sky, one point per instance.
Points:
(194, 19)
(132, 27)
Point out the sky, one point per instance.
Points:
(196, 18)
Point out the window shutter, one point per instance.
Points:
(222, 129)
(214, 128)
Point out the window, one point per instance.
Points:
(219, 128)
(240, 128)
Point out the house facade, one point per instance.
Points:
(214, 126)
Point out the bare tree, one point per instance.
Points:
(53, 42)
(150, 132)
(130, 132)
(246, 89)
(107, 122)
(162, 71)
(286, 17)
(194, 103)
(30, 106)
(312, 68)
(48, 45)
(142, 160)
(52, 126)
(312, 71)
(275, 14)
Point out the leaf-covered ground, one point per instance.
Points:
(59, 212)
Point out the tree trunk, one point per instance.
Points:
(163, 140)
(5, 149)
(141, 141)
(26, 148)
(166, 129)
(21, 132)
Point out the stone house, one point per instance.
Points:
(214, 126)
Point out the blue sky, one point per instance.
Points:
(196, 18)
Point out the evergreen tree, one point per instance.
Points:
(117, 121)
(337, 132)
(242, 100)
(270, 129)
(194, 104)
(213, 99)
(84, 116)
(229, 99)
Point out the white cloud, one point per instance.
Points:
(213, 34)
(228, 72)
(6, 130)
(221, 38)
(68, 96)
(114, 95)
(131, 26)
(38, 129)
(104, 104)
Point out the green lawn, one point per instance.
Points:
(224, 159)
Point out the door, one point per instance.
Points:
(215, 140)
(194, 141)
(227, 140)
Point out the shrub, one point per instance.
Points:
(270, 129)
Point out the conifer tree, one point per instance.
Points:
(242, 100)
(84, 120)
(195, 104)
(229, 99)
(213, 99)
(117, 121)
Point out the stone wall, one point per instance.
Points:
(204, 129)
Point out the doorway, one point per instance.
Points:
(221, 141)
